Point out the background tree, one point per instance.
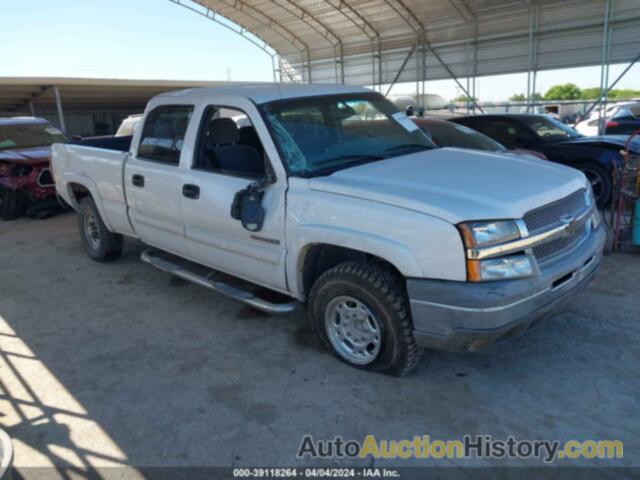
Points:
(463, 99)
(565, 91)
(520, 97)
(590, 93)
(593, 93)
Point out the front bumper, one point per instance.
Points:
(465, 316)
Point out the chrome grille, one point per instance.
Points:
(548, 250)
(549, 215)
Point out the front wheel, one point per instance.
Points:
(359, 311)
(600, 181)
(12, 204)
(101, 245)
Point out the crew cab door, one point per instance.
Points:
(153, 178)
(228, 156)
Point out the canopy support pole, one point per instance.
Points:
(56, 94)
(604, 66)
(600, 98)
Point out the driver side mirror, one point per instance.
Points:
(247, 207)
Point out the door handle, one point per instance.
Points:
(191, 191)
(138, 180)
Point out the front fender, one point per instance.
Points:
(306, 236)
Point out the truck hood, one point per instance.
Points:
(456, 184)
(26, 156)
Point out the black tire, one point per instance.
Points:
(601, 182)
(101, 245)
(381, 291)
(12, 204)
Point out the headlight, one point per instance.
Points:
(489, 233)
(515, 266)
(484, 234)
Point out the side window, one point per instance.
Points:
(505, 132)
(163, 133)
(228, 143)
(469, 122)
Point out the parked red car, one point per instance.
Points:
(449, 134)
(25, 175)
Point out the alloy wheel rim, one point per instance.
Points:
(91, 230)
(353, 330)
(595, 180)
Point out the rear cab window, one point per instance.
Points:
(163, 133)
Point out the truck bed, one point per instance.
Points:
(98, 169)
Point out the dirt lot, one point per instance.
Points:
(120, 364)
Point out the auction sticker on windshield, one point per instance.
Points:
(405, 122)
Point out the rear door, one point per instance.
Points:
(153, 178)
(230, 155)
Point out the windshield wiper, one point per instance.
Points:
(408, 146)
(355, 161)
(355, 158)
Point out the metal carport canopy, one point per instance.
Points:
(367, 42)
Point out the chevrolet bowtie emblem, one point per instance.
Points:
(571, 224)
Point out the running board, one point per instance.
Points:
(180, 268)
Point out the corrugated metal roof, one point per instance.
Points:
(324, 40)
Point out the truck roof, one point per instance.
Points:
(266, 92)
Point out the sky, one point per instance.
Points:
(157, 39)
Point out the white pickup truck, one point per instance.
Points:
(328, 196)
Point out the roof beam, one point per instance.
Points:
(211, 15)
(268, 22)
(25, 102)
(321, 28)
(406, 14)
(355, 18)
(463, 9)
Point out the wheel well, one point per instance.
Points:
(78, 191)
(321, 257)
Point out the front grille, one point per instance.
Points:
(556, 247)
(45, 179)
(549, 215)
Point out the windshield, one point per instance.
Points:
(320, 135)
(459, 136)
(29, 135)
(549, 129)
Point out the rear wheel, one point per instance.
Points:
(600, 181)
(359, 311)
(101, 245)
(12, 204)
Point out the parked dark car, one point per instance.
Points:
(624, 120)
(25, 174)
(447, 134)
(596, 157)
